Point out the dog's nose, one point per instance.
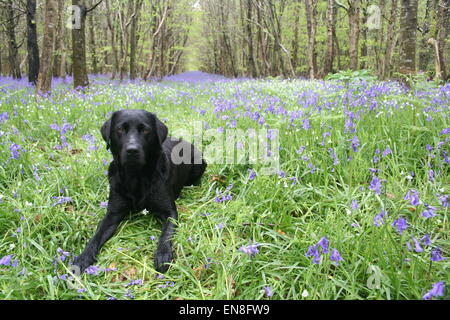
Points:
(132, 151)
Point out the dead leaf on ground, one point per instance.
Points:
(221, 179)
(75, 151)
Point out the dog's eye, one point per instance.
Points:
(146, 131)
(120, 130)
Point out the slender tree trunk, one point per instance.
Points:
(251, 61)
(111, 28)
(311, 19)
(391, 40)
(295, 40)
(13, 52)
(424, 52)
(44, 82)
(79, 69)
(443, 18)
(133, 39)
(354, 15)
(32, 44)
(329, 56)
(364, 31)
(408, 27)
(92, 45)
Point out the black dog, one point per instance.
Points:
(143, 175)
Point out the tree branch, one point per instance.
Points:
(94, 6)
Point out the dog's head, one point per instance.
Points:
(134, 137)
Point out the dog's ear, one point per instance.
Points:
(106, 133)
(161, 128)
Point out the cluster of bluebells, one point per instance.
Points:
(251, 250)
(315, 252)
(8, 261)
(225, 196)
(61, 200)
(62, 131)
(91, 140)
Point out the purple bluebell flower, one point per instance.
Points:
(323, 242)
(4, 116)
(354, 205)
(436, 255)
(313, 252)
(426, 240)
(335, 256)
(306, 124)
(429, 211)
(375, 185)
(63, 254)
(445, 131)
(14, 148)
(386, 152)
(334, 156)
(413, 197)
(252, 174)
(104, 204)
(152, 238)
(437, 290)
(431, 175)
(444, 201)
(6, 260)
(134, 283)
(268, 292)
(400, 224)
(417, 246)
(355, 143)
(219, 226)
(223, 198)
(93, 270)
(300, 150)
(62, 200)
(129, 294)
(251, 249)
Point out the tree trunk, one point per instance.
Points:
(32, 44)
(133, 39)
(329, 55)
(408, 27)
(79, 69)
(443, 18)
(424, 52)
(92, 45)
(111, 28)
(295, 40)
(44, 82)
(311, 19)
(251, 61)
(391, 40)
(13, 59)
(364, 31)
(353, 16)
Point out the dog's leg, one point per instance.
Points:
(105, 230)
(164, 253)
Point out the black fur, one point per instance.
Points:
(142, 176)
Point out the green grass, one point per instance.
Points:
(285, 218)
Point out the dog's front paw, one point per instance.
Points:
(81, 263)
(163, 257)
